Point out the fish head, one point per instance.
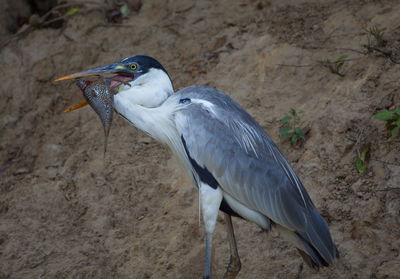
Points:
(95, 88)
(84, 84)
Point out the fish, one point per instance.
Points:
(100, 97)
(99, 94)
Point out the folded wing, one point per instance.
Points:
(222, 138)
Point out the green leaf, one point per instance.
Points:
(125, 11)
(384, 115)
(395, 131)
(342, 57)
(299, 132)
(72, 11)
(297, 119)
(398, 122)
(284, 130)
(294, 139)
(361, 165)
(362, 159)
(363, 154)
(285, 136)
(286, 119)
(397, 111)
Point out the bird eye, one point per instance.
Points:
(133, 66)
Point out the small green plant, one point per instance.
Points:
(335, 66)
(362, 159)
(291, 129)
(392, 118)
(377, 34)
(72, 11)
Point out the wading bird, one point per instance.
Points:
(235, 165)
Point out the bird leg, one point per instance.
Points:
(210, 202)
(208, 256)
(234, 261)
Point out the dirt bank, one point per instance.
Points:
(67, 213)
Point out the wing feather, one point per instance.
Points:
(244, 160)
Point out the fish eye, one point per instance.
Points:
(133, 66)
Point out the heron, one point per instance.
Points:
(236, 166)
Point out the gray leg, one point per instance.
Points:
(234, 262)
(210, 202)
(208, 256)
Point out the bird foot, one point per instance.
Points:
(233, 268)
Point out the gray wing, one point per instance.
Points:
(225, 140)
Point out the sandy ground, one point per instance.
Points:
(65, 212)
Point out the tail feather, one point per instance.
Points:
(317, 240)
(315, 244)
(307, 259)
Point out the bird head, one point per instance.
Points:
(139, 79)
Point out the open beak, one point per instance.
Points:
(121, 75)
(109, 69)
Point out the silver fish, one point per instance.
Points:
(101, 98)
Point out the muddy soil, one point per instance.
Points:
(66, 212)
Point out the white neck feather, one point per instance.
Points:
(143, 105)
(147, 107)
(149, 90)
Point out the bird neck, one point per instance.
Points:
(144, 104)
(149, 90)
(157, 121)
